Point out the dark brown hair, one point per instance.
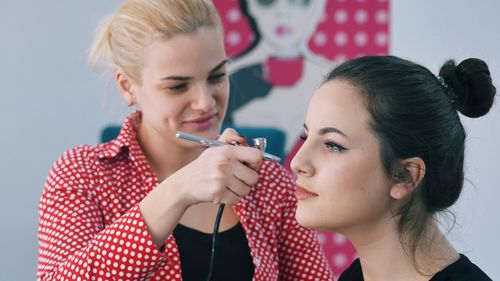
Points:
(415, 114)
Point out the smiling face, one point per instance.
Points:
(184, 85)
(286, 23)
(342, 185)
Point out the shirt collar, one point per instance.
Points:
(125, 139)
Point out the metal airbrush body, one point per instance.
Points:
(259, 143)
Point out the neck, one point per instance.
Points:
(164, 155)
(383, 256)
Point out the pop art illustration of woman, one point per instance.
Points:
(281, 50)
(275, 76)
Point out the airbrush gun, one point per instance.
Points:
(259, 143)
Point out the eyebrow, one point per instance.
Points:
(185, 78)
(327, 130)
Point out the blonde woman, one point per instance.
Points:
(143, 206)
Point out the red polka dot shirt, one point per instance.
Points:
(91, 228)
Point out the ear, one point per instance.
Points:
(125, 87)
(408, 178)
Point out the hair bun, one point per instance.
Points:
(471, 82)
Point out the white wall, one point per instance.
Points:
(52, 101)
(429, 32)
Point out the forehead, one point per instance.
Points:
(201, 49)
(339, 104)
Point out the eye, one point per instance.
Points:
(216, 78)
(299, 3)
(333, 147)
(303, 136)
(266, 3)
(178, 88)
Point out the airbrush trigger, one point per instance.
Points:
(260, 144)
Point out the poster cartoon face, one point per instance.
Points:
(281, 51)
(285, 24)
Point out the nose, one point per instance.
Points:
(282, 9)
(203, 98)
(301, 163)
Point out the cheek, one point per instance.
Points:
(222, 93)
(169, 109)
(339, 189)
(343, 177)
(364, 191)
(350, 189)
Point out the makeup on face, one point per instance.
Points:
(302, 193)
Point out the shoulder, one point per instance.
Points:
(75, 157)
(78, 152)
(73, 167)
(84, 157)
(461, 270)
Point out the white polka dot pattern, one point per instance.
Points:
(91, 227)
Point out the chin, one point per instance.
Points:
(215, 132)
(306, 218)
(316, 219)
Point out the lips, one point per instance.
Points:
(283, 30)
(200, 123)
(202, 119)
(302, 193)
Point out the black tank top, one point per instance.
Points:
(461, 270)
(232, 262)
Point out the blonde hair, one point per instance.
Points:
(122, 38)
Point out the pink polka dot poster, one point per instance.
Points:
(345, 29)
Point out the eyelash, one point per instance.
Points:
(214, 79)
(330, 145)
(178, 88)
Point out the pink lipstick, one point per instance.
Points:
(302, 194)
(201, 123)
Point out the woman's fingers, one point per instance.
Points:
(251, 157)
(221, 174)
(227, 197)
(247, 175)
(237, 187)
(230, 135)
